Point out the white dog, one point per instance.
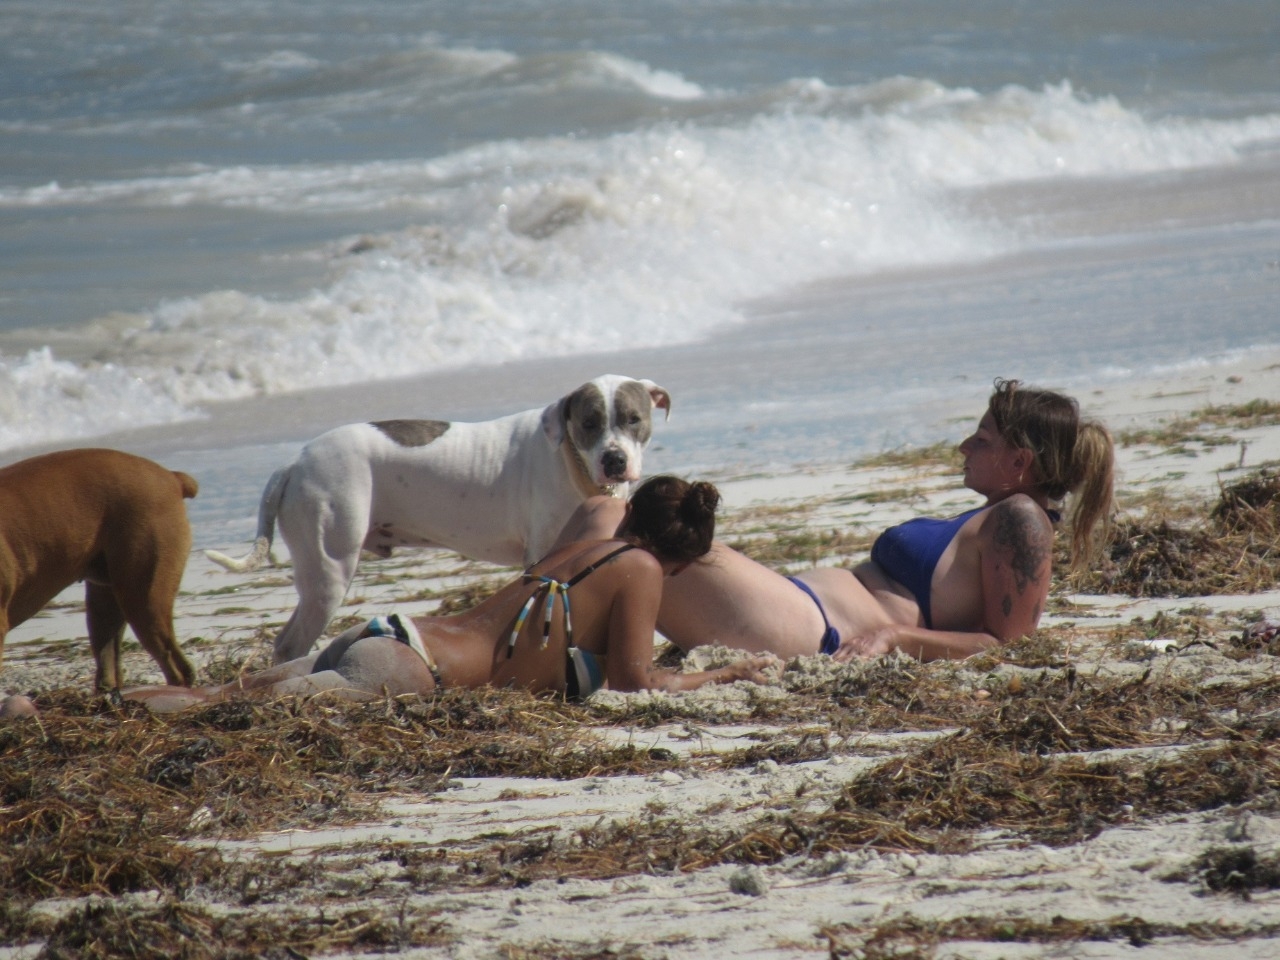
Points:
(500, 490)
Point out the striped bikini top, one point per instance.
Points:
(553, 588)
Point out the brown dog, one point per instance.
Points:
(113, 520)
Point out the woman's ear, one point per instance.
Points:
(1024, 460)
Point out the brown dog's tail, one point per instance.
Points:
(188, 483)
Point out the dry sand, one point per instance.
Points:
(1133, 888)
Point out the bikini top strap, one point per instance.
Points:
(556, 588)
(591, 568)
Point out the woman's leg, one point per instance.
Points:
(166, 699)
(729, 599)
(359, 668)
(374, 666)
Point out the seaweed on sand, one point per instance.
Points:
(931, 799)
(1233, 549)
(1252, 503)
(99, 798)
(915, 938)
(891, 693)
(108, 929)
(944, 797)
(1237, 869)
(1006, 770)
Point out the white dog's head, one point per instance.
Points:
(608, 422)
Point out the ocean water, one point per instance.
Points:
(820, 219)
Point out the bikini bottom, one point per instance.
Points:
(582, 674)
(830, 636)
(394, 626)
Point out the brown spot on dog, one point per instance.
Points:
(585, 415)
(632, 406)
(412, 433)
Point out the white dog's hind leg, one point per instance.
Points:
(326, 551)
(322, 584)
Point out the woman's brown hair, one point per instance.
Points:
(1071, 456)
(672, 518)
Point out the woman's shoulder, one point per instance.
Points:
(1017, 521)
(596, 518)
(589, 555)
(634, 557)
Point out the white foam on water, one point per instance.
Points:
(556, 245)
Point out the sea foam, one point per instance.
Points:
(556, 245)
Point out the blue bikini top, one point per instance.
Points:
(909, 553)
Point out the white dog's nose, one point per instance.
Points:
(614, 464)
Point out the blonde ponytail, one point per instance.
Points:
(1093, 490)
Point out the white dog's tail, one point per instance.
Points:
(268, 507)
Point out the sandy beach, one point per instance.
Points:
(748, 822)
(826, 229)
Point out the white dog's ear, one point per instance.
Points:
(553, 422)
(661, 399)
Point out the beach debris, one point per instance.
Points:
(1260, 637)
(1238, 869)
(1232, 547)
(749, 882)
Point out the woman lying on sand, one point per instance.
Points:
(933, 588)
(581, 617)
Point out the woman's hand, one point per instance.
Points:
(752, 669)
(879, 641)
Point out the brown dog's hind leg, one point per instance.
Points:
(106, 628)
(145, 593)
(144, 559)
(151, 617)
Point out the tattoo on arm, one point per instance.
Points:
(1024, 537)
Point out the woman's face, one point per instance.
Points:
(992, 466)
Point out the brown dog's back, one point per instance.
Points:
(112, 519)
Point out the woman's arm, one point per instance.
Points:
(1016, 545)
(632, 623)
(1015, 557)
(750, 668)
(919, 642)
